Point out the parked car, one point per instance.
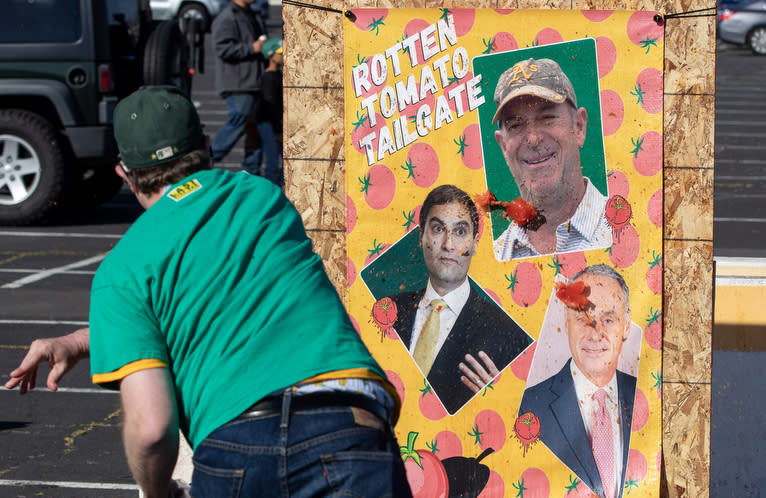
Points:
(744, 24)
(64, 65)
(204, 10)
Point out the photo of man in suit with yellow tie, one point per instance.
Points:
(586, 408)
(448, 322)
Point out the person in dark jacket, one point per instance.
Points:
(238, 39)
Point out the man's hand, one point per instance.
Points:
(62, 353)
(258, 45)
(475, 375)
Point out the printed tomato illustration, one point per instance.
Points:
(397, 382)
(414, 27)
(624, 250)
(654, 208)
(597, 15)
(410, 111)
(527, 429)
(644, 31)
(577, 489)
(488, 430)
(378, 186)
(422, 164)
(462, 97)
(493, 295)
(617, 183)
(447, 445)
(429, 403)
(384, 316)
(520, 366)
(369, 19)
(411, 218)
(533, 484)
(640, 411)
(463, 19)
(648, 90)
(350, 214)
(350, 272)
(360, 128)
(607, 55)
(569, 263)
(654, 273)
(636, 470)
(355, 324)
(425, 473)
(376, 250)
(647, 158)
(525, 283)
(612, 112)
(547, 36)
(495, 487)
(653, 329)
(503, 41)
(618, 213)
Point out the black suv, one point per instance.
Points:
(64, 65)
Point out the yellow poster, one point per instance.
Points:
(504, 238)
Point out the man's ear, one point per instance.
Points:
(121, 173)
(581, 125)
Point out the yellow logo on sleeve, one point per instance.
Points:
(185, 189)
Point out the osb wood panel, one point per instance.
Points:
(689, 132)
(686, 439)
(688, 194)
(331, 247)
(688, 312)
(318, 191)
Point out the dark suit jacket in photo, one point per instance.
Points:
(481, 326)
(562, 429)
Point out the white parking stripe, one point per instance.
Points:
(44, 322)
(27, 270)
(53, 271)
(68, 484)
(75, 390)
(62, 234)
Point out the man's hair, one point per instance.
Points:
(151, 179)
(609, 272)
(445, 194)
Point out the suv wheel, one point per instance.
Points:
(32, 171)
(194, 11)
(166, 58)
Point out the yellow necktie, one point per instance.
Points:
(425, 349)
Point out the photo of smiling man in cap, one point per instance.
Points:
(540, 132)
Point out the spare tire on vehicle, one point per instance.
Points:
(167, 58)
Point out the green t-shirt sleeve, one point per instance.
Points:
(123, 330)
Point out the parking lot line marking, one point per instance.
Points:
(68, 484)
(53, 271)
(29, 270)
(61, 234)
(44, 322)
(74, 390)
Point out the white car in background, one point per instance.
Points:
(204, 10)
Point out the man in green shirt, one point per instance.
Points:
(213, 315)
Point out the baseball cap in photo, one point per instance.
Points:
(538, 77)
(155, 125)
(272, 46)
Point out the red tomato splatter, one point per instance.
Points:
(463, 19)
(597, 15)
(527, 430)
(618, 213)
(425, 473)
(495, 487)
(607, 55)
(384, 315)
(365, 17)
(489, 430)
(612, 112)
(642, 28)
(653, 329)
(520, 211)
(381, 186)
(651, 84)
(448, 444)
(654, 208)
(547, 36)
(625, 250)
(520, 366)
(571, 262)
(526, 283)
(618, 183)
(350, 272)
(350, 214)
(429, 404)
(640, 411)
(648, 158)
(536, 483)
(397, 382)
(360, 128)
(424, 163)
(574, 295)
(654, 274)
(504, 41)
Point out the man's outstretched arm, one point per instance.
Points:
(150, 432)
(62, 353)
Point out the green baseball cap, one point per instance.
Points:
(155, 125)
(272, 46)
(542, 78)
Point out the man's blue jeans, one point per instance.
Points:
(332, 451)
(239, 106)
(272, 169)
